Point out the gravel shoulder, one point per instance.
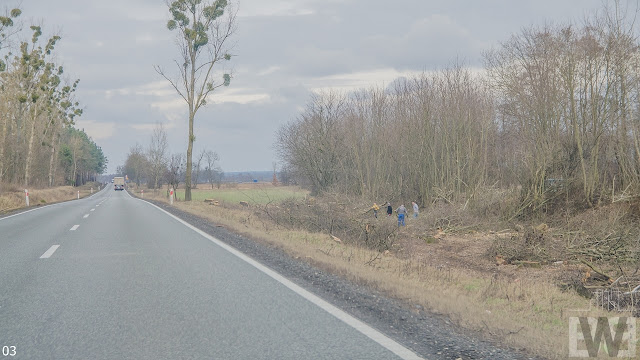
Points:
(430, 335)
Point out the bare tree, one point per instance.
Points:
(157, 154)
(213, 173)
(136, 164)
(203, 36)
(196, 171)
(175, 167)
(312, 144)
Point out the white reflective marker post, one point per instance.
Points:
(78, 194)
(171, 197)
(142, 193)
(26, 196)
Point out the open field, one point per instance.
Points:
(12, 197)
(444, 273)
(252, 193)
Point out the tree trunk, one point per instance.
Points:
(187, 178)
(27, 166)
(52, 157)
(74, 178)
(191, 94)
(3, 134)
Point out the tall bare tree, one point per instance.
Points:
(157, 153)
(175, 168)
(212, 171)
(204, 30)
(136, 164)
(196, 171)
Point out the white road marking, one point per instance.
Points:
(49, 252)
(43, 207)
(97, 205)
(360, 326)
(36, 209)
(85, 216)
(92, 210)
(74, 227)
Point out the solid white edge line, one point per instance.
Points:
(360, 326)
(47, 254)
(47, 206)
(74, 227)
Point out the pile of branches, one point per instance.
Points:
(620, 296)
(613, 247)
(532, 244)
(346, 220)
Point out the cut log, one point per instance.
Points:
(531, 264)
(598, 271)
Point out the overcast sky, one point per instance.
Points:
(285, 50)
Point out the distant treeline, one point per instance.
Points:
(154, 165)
(38, 143)
(555, 114)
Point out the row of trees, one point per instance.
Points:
(556, 112)
(155, 166)
(38, 144)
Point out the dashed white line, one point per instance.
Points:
(92, 210)
(74, 227)
(85, 216)
(49, 252)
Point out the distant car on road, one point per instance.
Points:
(118, 183)
(111, 180)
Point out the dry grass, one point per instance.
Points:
(12, 197)
(527, 312)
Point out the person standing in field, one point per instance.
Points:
(389, 209)
(402, 212)
(415, 209)
(375, 209)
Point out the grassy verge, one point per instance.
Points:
(12, 197)
(526, 312)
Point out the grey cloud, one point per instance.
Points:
(333, 38)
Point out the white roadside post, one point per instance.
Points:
(142, 193)
(26, 196)
(171, 197)
(78, 194)
(92, 190)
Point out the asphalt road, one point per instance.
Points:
(113, 277)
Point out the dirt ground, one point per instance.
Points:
(468, 252)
